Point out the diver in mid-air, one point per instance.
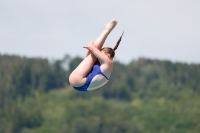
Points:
(96, 68)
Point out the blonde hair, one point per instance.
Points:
(110, 50)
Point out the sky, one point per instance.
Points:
(155, 29)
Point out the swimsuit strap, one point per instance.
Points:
(105, 76)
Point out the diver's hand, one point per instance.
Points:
(89, 46)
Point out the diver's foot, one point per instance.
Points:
(109, 26)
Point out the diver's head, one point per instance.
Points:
(109, 51)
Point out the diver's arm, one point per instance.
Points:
(102, 57)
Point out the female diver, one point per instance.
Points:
(95, 70)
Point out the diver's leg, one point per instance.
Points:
(99, 42)
(78, 76)
(102, 37)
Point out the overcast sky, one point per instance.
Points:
(156, 29)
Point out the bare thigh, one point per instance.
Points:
(78, 76)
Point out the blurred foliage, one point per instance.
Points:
(144, 96)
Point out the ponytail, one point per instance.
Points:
(118, 42)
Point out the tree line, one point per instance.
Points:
(144, 95)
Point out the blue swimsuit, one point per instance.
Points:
(94, 71)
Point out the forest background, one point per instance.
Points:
(143, 96)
